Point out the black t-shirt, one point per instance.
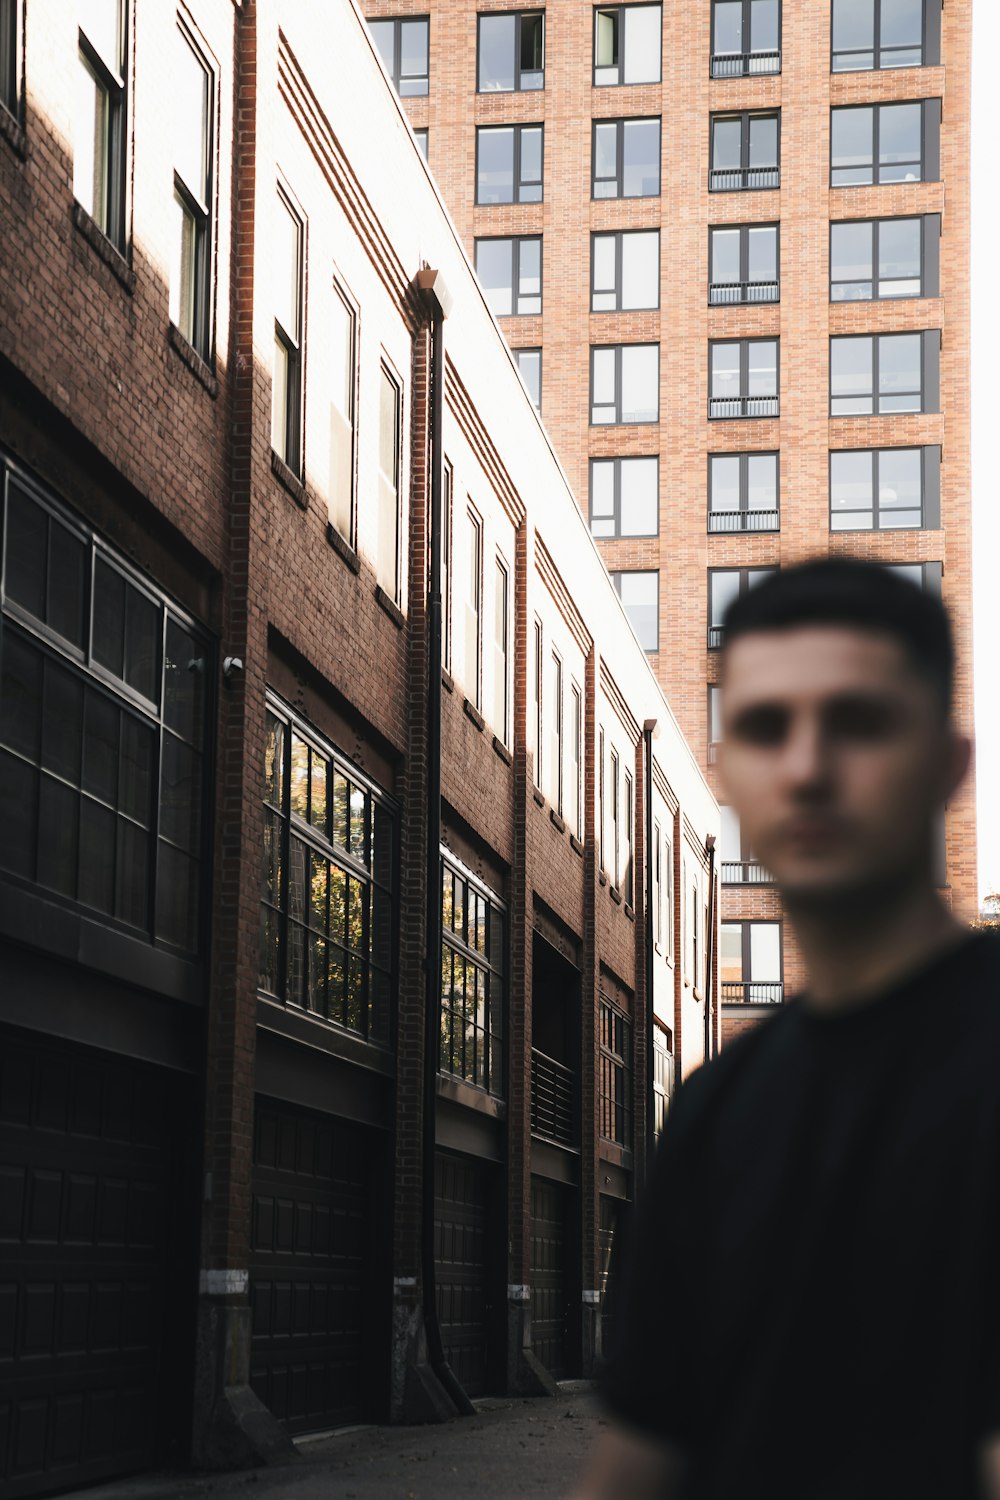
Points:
(812, 1305)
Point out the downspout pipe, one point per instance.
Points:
(431, 284)
(648, 731)
(709, 950)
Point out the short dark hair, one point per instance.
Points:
(862, 595)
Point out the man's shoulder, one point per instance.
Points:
(759, 1047)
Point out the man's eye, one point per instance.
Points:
(763, 726)
(861, 721)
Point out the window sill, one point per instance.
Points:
(289, 480)
(472, 712)
(390, 606)
(575, 844)
(616, 895)
(189, 356)
(602, 879)
(447, 680)
(538, 796)
(102, 246)
(343, 548)
(12, 132)
(630, 912)
(557, 821)
(502, 751)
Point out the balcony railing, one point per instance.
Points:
(553, 1099)
(734, 293)
(745, 64)
(743, 179)
(713, 752)
(743, 406)
(745, 872)
(743, 520)
(753, 991)
(716, 636)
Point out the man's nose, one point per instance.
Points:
(806, 759)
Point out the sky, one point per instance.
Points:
(985, 420)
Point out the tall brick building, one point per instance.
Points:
(281, 1050)
(730, 243)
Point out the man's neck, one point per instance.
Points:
(850, 962)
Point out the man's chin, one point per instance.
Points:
(840, 891)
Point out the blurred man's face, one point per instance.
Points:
(836, 758)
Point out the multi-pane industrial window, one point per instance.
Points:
(510, 271)
(286, 387)
(538, 669)
(625, 270)
(99, 133)
(9, 69)
(640, 596)
(878, 143)
(746, 37)
(877, 374)
(743, 264)
(624, 383)
(329, 893)
(529, 364)
(343, 354)
(885, 34)
(627, 44)
(743, 492)
(614, 1093)
(885, 258)
(509, 164)
(724, 586)
(501, 636)
(102, 728)
(750, 963)
(389, 465)
(472, 664)
(624, 496)
(745, 152)
(554, 721)
(511, 52)
(885, 489)
(576, 760)
(403, 43)
(743, 378)
(626, 158)
(191, 263)
(472, 981)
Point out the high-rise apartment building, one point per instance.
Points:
(729, 242)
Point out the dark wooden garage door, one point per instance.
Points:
(311, 1267)
(549, 1276)
(96, 1265)
(462, 1190)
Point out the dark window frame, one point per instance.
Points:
(928, 390)
(516, 241)
(11, 67)
(501, 583)
(294, 346)
(615, 1076)
(518, 183)
(617, 460)
(746, 985)
(388, 370)
(111, 219)
(421, 136)
(875, 179)
(619, 236)
(745, 70)
(618, 422)
(342, 292)
(622, 10)
(620, 122)
(447, 493)
(930, 42)
(930, 488)
(716, 632)
(930, 253)
(744, 283)
(576, 699)
(744, 171)
(557, 712)
(744, 509)
(538, 697)
(475, 605)
(744, 399)
(490, 964)
(396, 71)
(202, 210)
(519, 16)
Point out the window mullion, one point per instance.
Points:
(619, 271)
(876, 399)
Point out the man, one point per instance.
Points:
(812, 1310)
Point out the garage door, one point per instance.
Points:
(549, 1275)
(462, 1260)
(311, 1267)
(613, 1212)
(96, 1256)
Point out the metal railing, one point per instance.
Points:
(553, 1099)
(753, 991)
(745, 872)
(733, 293)
(745, 64)
(743, 520)
(743, 179)
(743, 406)
(716, 636)
(713, 752)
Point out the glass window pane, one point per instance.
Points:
(899, 372)
(109, 618)
(20, 696)
(850, 481)
(851, 374)
(851, 261)
(901, 24)
(62, 720)
(413, 57)
(388, 429)
(725, 371)
(762, 254)
(639, 599)
(723, 588)
(640, 270)
(605, 272)
(58, 830)
(899, 257)
(286, 269)
(764, 26)
(724, 474)
(496, 52)
(899, 142)
(639, 496)
(727, 139)
(763, 141)
(529, 190)
(765, 952)
(729, 839)
(532, 51)
(100, 22)
(714, 714)
(728, 26)
(384, 37)
(762, 367)
(605, 157)
(189, 115)
(180, 794)
(529, 363)
(899, 479)
(762, 481)
(25, 565)
(184, 683)
(602, 493)
(494, 267)
(642, 44)
(731, 952)
(851, 145)
(603, 376)
(529, 276)
(90, 144)
(143, 627)
(97, 856)
(606, 39)
(725, 256)
(640, 382)
(853, 24)
(496, 166)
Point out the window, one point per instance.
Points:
(627, 44)
(511, 52)
(9, 68)
(750, 966)
(538, 702)
(626, 159)
(343, 351)
(421, 139)
(657, 885)
(191, 264)
(509, 164)
(714, 721)
(99, 133)
(877, 374)
(626, 883)
(694, 946)
(403, 43)
(472, 981)
(743, 492)
(389, 451)
(875, 143)
(724, 586)
(554, 760)
(740, 865)
(746, 37)
(103, 717)
(448, 488)
(286, 386)
(602, 827)
(624, 383)
(529, 364)
(885, 34)
(510, 271)
(884, 258)
(615, 810)
(885, 489)
(576, 761)
(744, 152)
(625, 270)
(615, 1078)
(501, 633)
(624, 496)
(926, 576)
(329, 898)
(743, 378)
(743, 264)
(663, 1075)
(640, 596)
(473, 607)
(668, 870)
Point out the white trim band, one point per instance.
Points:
(219, 1283)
